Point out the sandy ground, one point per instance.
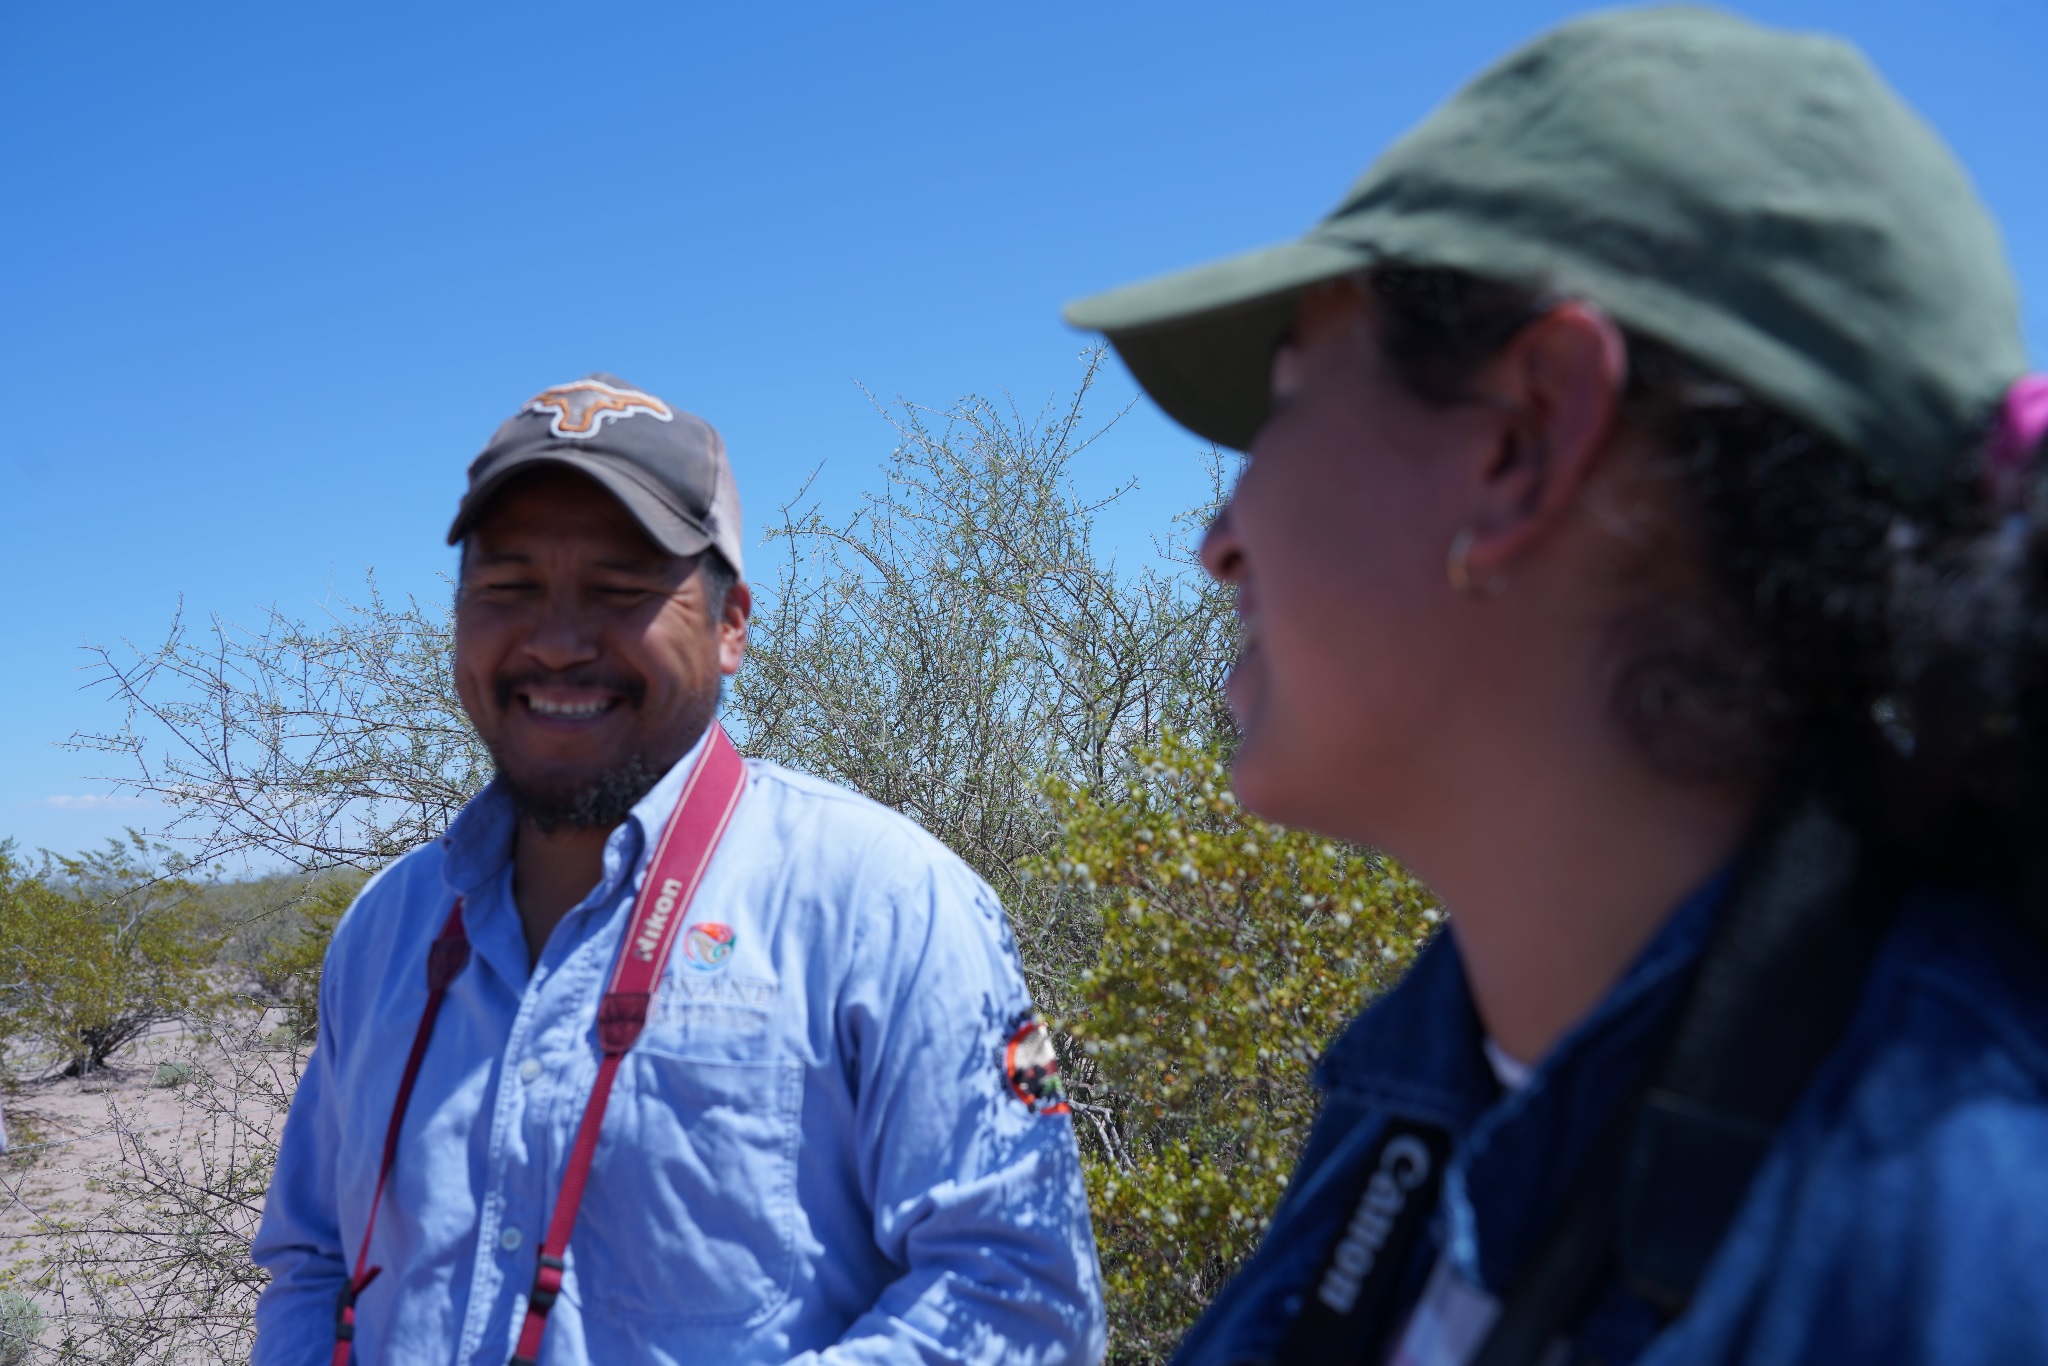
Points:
(66, 1132)
(62, 1131)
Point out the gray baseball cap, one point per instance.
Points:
(666, 466)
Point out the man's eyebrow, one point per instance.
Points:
(652, 565)
(640, 564)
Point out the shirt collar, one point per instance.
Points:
(478, 842)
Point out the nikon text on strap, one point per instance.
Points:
(673, 873)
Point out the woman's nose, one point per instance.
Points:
(1222, 556)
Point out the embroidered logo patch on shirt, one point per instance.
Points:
(578, 411)
(707, 945)
(1032, 1068)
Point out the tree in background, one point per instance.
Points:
(95, 950)
(321, 745)
(288, 968)
(961, 635)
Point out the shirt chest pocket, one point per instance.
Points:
(690, 1215)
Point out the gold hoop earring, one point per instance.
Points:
(1458, 569)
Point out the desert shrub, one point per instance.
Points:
(96, 949)
(255, 916)
(1231, 952)
(21, 1324)
(289, 971)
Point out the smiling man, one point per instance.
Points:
(812, 1142)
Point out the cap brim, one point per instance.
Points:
(668, 528)
(1201, 342)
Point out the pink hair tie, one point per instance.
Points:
(2022, 423)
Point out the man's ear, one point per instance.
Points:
(732, 627)
(1559, 385)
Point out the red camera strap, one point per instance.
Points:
(691, 837)
(673, 874)
(445, 960)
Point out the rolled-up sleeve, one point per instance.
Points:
(975, 1184)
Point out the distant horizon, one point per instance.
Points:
(281, 273)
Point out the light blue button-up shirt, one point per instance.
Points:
(813, 1152)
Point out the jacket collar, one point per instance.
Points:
(1417, 1054)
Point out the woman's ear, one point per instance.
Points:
(1558, 384)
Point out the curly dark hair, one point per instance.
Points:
(1895, 652)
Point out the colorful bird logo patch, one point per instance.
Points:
(579, 411)
(707, 945)
(1032, 1068)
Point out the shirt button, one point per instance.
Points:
(529, 1069)
(510, 1239)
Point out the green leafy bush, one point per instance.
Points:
(94, 950)
(260, 916)
(1231, 952)
(289, 971)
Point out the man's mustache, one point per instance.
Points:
(506, 686)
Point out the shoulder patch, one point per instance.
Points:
(1031, 1067)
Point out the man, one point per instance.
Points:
(815, 1149)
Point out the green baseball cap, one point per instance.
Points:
(1760, 200)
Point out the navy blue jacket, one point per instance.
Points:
(1901, 1215)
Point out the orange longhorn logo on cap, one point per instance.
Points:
(578, 410)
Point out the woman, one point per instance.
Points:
(1642, 539)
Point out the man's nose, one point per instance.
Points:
(1222, 556)
(564, 635)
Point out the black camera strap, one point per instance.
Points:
(1344, 1316)
(1772, 996)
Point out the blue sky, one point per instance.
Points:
(270, 274)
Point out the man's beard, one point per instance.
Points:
(599, 804)
(604, 801)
